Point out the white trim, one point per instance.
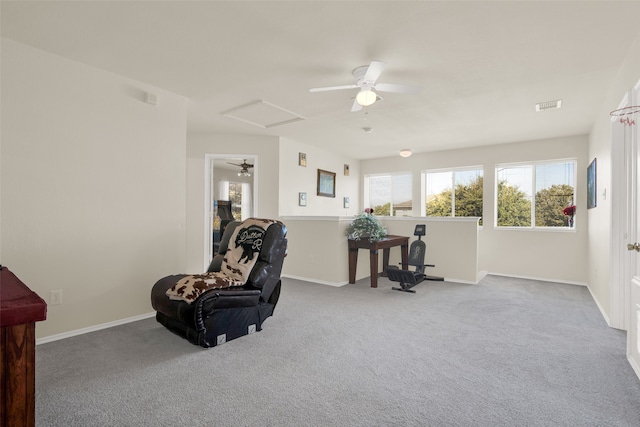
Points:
(386, 218)
(316, 218)
(542, 279)
(634, 365)
(432, 218)
(602, 310)
(94, 328)
(321, 282)
(619, 271)
(464, 282)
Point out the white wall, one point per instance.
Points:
(266, 183)
(295, 179)
(599, 247)
(93, 187)
(550, 255)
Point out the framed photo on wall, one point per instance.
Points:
(326, 183)
(592, 177)
(302, 159)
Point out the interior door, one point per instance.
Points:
(633, 337)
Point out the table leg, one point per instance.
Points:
(353, 264)
(385, 261)
(373, 255)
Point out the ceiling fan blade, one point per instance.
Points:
(356, 107)
(375, 69)
(390, 87)
(234, 164)
(328, 88)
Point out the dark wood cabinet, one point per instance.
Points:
(20, 308)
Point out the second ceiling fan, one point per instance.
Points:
(366, 77)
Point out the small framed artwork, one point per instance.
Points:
(326, 183)
(302, 159)
(302, 199)
(592, 175)
(345, 202)
(346, 170)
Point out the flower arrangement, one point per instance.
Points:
(365, 225)
(570, 211)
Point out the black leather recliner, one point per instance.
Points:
(220, 315)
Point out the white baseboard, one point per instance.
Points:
(541, 279)
(465, 282)
(82, 331)
(634, 365)
(602, 312)
(321, 282)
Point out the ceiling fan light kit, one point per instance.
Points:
(366, 97)
(366, 76)
(244, 167)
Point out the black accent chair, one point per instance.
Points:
(407, 278)
(221, 315)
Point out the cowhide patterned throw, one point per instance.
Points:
(238, 261)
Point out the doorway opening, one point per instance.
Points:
(226, 180)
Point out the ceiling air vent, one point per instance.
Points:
(549, 105)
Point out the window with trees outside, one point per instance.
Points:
(453, 192)
(535, 194)
(389, 194)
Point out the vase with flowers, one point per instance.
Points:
(366, 226)
(570, 211)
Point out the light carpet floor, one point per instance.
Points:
(504, 352)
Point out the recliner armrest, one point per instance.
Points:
(229, 298)
(208, 302)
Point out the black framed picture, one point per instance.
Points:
(326, 183)
(302, 159)
(592, 178)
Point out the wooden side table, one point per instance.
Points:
(384, 244)
(20, 308)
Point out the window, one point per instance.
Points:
(239, 193)
(535, 194)
(389, 194)
(453, 192)
(235, 195)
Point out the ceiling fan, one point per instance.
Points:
(366, 76)
(244, 167)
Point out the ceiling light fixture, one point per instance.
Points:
(244, 173)
(366, 97)
(405, 152)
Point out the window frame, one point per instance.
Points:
(424, 173)
(367, 195)
(533, 165)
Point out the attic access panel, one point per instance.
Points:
(262, 114)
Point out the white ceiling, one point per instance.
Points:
(482, 65)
